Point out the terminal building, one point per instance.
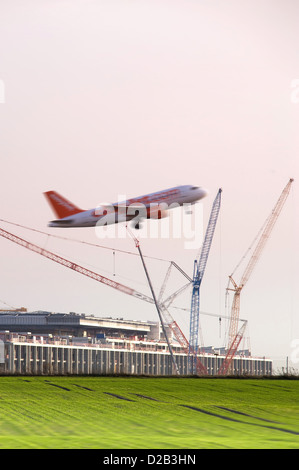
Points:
(41, 342)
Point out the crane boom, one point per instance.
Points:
(199, 269)
(206, 246)
(165, 316)
(235, 311)
(266, 233)
(167, 302)
(76, 267)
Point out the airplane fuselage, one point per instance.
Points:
(150, 206)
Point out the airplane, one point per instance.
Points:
(150, 206)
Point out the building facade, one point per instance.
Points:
(28, 354)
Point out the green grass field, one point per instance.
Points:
(148, 413)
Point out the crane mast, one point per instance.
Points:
(237, 289)
(165, 316)
(223, 369)
(198, 273)
(158, 308)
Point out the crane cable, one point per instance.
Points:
(83, 242)
(5, 303)
(251, 246)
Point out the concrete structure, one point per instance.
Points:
(78, 325)
(30, 354)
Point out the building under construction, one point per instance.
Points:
(43, 343)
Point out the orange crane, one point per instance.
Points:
(235, 336)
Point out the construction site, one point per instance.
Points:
(45, 343)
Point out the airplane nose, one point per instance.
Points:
(203, 192)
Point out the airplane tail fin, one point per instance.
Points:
(61, 206)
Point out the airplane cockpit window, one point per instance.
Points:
(195, 187)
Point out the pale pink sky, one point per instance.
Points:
(123, 97)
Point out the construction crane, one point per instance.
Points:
(137, 243)
(191, 347)
(165, 316)
(235, 336)
(106, 281)
(198, 273)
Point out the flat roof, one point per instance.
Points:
(73, 319)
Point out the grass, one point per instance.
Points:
(148, 413)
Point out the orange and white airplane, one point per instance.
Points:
(150, 206)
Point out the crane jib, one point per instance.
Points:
(71, 265)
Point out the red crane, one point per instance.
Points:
(106, 281)
(234, 336)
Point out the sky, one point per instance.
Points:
(102, 98)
